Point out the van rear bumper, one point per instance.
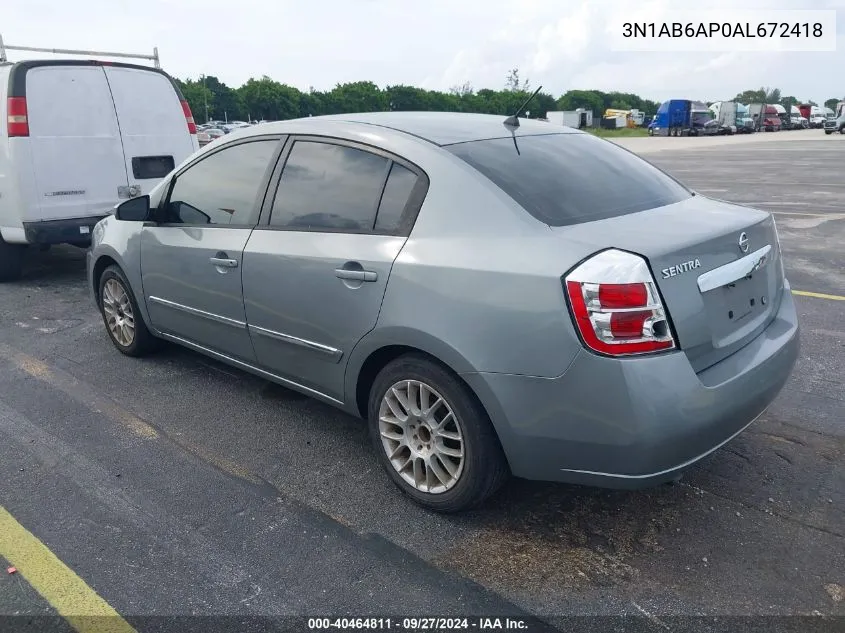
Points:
(76, 231)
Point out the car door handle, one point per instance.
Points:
(224, 262)
(355, 275)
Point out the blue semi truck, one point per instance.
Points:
(682, 117)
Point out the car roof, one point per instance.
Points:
(440, 128)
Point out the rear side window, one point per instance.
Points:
(564, 179)
(223, 188)
(397, 194)
(327, 187)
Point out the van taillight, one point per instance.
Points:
(17, 122)
(616, 307)
(192, 126)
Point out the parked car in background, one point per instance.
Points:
(233, 125)
(354, 257)
(78, 137)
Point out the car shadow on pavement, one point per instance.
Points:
(58, 264)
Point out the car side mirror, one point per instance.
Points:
(134, 210)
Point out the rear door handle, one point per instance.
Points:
(224, 262)
(355, 275)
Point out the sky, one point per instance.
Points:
(434, 44)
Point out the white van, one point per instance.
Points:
(79, 136)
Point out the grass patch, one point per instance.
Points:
(621, 132)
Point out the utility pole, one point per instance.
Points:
(205, 97)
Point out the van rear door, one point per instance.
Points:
(152, 124)
(76, 150)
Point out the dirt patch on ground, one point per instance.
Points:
(538, 536)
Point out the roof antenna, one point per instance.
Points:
(512, 120)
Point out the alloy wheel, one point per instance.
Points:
(421, 436)
(118, 310)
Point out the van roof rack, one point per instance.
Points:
(67, 51)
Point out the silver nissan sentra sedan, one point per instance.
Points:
(494, 297)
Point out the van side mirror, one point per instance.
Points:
(134, 210)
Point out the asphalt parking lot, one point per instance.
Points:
(174, 485)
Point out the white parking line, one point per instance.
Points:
(834, 216)
(774, 203)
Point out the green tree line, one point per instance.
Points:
(267, 99)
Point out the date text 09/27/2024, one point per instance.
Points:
(419, 624)
(722, 29)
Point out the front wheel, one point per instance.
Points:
(828, 131)
(123, 320)
(433, 437)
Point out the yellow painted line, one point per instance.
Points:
(818, 295)
(66, 592)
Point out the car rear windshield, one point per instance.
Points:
(564, 179)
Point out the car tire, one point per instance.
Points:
(842, 129)
(412, 450)
(828, 131)
(11, 260)
(117, 302)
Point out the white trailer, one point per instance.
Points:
(579, 118)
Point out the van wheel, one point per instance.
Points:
(828, 131)
(842, 129)
(433, 437)
(11, 260)
(123, 320)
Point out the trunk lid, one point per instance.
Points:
(686, 240)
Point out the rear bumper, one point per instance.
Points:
(636, 422)
(71, 231)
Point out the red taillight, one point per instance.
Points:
(622, 295)
(192, 126)
(628, 325)
(624, 316)
(17, 123)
